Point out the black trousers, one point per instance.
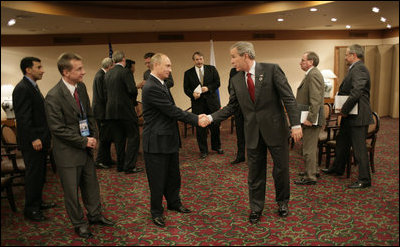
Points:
(241, 141)
(35, 177)
(257, 163)
(105, 140)
(164, 180)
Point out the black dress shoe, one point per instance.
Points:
(159, 221)
(83, 231)
(35, 216)
(283, 209)
(219, 151)
(254, 217)
(302, 174)
(203, 155)
(304, 181)
(101, 220)
(102, 166)
(134, 170)
(45, 206)
(331, 172)
(359, 185)
(181, 209)
(237, 161)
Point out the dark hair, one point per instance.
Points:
(197, 53)
(129, 63)
(314, 57)
(148, 55)
(27, 62)
(64, 61)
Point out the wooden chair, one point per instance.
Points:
(9, 171)
(330, 120)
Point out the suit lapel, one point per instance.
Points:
(259, 80)
(68, 97)
(243, 87)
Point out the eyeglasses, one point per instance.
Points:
(348, 54)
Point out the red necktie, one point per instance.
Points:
(77, 99)
(250, 87)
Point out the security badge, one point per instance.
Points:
(84, 127)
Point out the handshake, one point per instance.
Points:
(203, 120)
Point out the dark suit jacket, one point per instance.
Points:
(160, 131)
(310, 93)
(266, 115)
(63, 115)
(357, 84)
(99, 97)
(210, 80)
(121, 94)
(168, 81)
(30, 114)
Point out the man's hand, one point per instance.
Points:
(37, 144)
(91, 143)
(204, 89)
(141, 84)
(203, 120)
(307, 123)
(297, 134)
(196, 95)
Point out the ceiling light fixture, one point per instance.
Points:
(375, 9)
(280, 19)
(333, 19)
(383, 19)
(11, 22)
(389, 26)
(348, 26)
(313, 9)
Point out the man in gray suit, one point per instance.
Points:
(354, 128)
(265, 123)
(73, 128)
(310, 95)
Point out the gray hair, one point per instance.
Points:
(245, 47)
(313, 56)
(106, 63)
(156, 59)
(358, 50)
(64, 61)
(118, 56)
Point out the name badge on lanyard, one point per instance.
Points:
(84, 127)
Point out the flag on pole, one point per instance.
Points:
(110, 51)
(212, 62)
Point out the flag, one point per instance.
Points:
(110, 51)
(212, 62)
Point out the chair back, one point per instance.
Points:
(8, 136)
(374, 128)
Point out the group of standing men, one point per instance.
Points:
(259, 90)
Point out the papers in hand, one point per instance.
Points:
(197, 89)
(340, 100)
(304, 115)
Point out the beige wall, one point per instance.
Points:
(286, 53)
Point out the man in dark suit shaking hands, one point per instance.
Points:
(74, 132)
(206, 101)
(261, 90)
(161, 139)
(33, 136)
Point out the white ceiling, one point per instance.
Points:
(358, 14)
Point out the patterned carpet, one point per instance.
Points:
(324, 214)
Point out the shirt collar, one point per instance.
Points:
(351, 66)
(308, 71)
(161, 81)
(71, 88)
(31, 81)
(252, 70)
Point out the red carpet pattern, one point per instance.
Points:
(324, 214)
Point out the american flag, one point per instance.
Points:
(110, 51)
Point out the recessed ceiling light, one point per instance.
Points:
(313, 9)
(388, 26)
(348, 26)
(280, 19)
(383, 19)
(11, 22)
(375, 9)
(333, 19)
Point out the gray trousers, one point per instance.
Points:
(310, 151)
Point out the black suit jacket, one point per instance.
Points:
(99, 95)
(29, 107)
(266, 115)
(63, 116)
(121, 94)
(357, 85)
(160, 131)
(210, 80)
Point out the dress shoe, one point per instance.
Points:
(359, 185)
(134, 170)
(304, 181)
(331, 172)
(219, 151)
(283, 209)
(101, 220)
(254, 217)
(159, 221)
(45, 206)
(35, 216)
(237, 161)
(302, 174)
(102, 166)
(181, 209)
(83, 231)
(203, 155)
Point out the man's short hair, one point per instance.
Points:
(156, 58)
(118, 56)
(106, 63)
(129, 63)
(358, 50)
(27, 62)
(244, 47)
(148, 55)
(314, 57)
(197, 53)
(64, 61)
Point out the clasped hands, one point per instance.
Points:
(91, 142)
(203, 120)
